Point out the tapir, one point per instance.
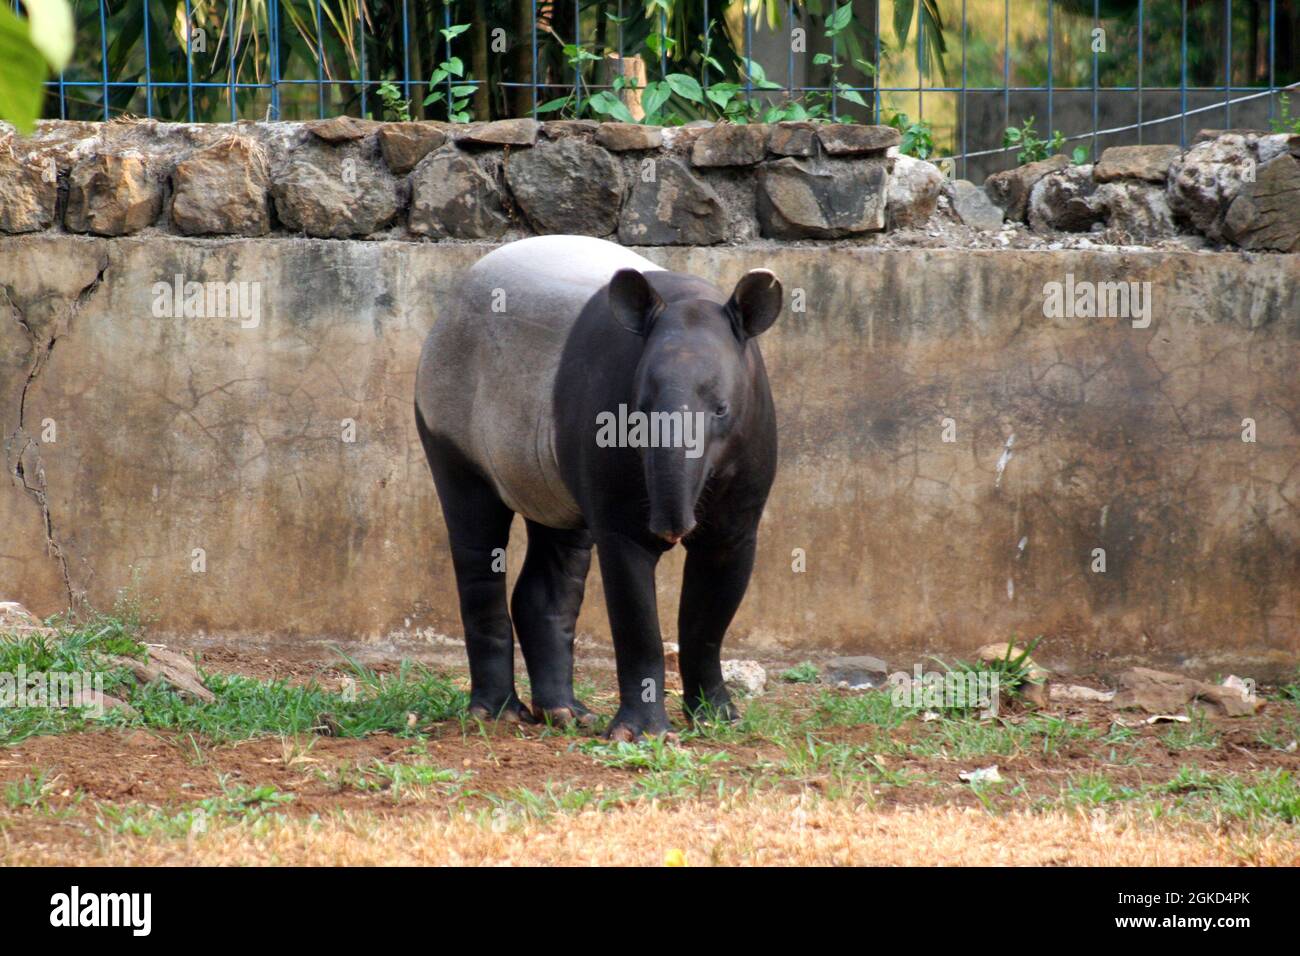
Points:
(608, 402)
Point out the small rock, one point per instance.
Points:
(672, 667)
(222, 190)
(112, 194)
(1207, 178)
(1169, 719)
(914, 187)
(558, 129)
(852, 139)
(677, 208)
(1149, 163)
(1156, 692)
(1077, 692)
(792, 139)
(747, 678)
(405, 144)
(1159, 693)
(507, 132)
(995, 653)
(568, 187)
(17, 622)
(982, 775)
(340, 129)
(1277, 144)
(974, 208)
(1065, 201)
(1137, 208)
(1266, 213)
(821, 199)
(1009, 190)
(860, 672)
(451, 197)
(728, 144)
(628, 137)
(334, 193)
(30, 187)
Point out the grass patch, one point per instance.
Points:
(802, 673)
(237, 805)
(82, 647)
(399, 703)
(398, 780)
(874, 708)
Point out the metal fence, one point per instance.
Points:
(268, 59)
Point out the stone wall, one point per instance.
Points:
(955, 452)
(698, 185)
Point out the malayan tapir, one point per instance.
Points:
(609, 402)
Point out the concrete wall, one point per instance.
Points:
(177, 433)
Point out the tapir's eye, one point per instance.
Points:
(721, 410)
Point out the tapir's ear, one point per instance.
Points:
(632, 301)
(756, 302)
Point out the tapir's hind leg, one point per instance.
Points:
(478, 526)
(545, 607)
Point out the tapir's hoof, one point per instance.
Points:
(631, 727)
(512, 712)
(574, 714)
(718, 711)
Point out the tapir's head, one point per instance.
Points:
(694, 384)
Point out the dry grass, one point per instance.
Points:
(763, 831)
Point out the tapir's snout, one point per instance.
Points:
(673, 537)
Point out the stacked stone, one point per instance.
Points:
(699, 184)
(348, 178)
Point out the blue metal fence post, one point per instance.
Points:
(230, 70)
(148, 71)
(1182, 83)
(103, 51)
(1141, 40)
(320, 66)
(189, 58)
(273, 34)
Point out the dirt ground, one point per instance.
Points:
(805, 779)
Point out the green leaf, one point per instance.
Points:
(454, 65)
(720, 95)
(438, 76)
(607, 104)
(22, 71)
(838, 20)
(451, 33)
(758, 77)
(467, 89)
(433, 98)
(555, 104)
(820, 59)
(656, 95)
(853, 96)
(49, 24)
(685, 86)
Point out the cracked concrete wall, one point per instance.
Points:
(176, 434)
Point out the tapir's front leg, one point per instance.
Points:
(627, 571)
(716, 577)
